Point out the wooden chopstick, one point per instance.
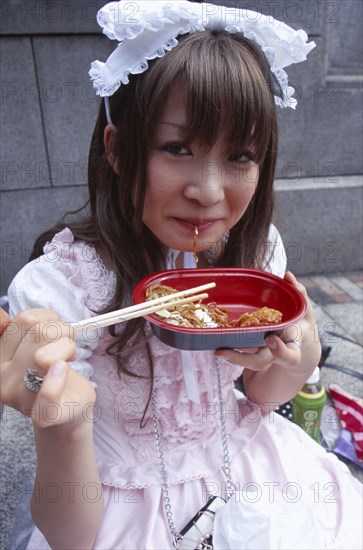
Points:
(119, 317)
(145, 308)
(149, 303)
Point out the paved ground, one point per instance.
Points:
(338, 305)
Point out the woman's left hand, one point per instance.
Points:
(285, 350)
(293, 360)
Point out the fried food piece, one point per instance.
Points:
(262, 316)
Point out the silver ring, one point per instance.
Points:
(293, 341)
(33, 380)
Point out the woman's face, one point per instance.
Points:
(188, 187)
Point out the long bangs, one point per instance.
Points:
(227, 92)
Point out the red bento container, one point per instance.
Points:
(238, 290)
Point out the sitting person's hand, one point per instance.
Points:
(35, 376)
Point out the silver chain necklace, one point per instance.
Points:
(176, 536)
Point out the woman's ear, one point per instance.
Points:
(109, 135)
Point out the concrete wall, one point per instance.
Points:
(48, 109)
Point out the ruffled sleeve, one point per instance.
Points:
(275, 254)
(58, 281)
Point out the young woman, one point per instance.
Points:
(185, 138)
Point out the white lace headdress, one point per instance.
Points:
(147, 29)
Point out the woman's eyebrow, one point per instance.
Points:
(176, 124)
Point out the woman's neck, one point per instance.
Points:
(180, 260)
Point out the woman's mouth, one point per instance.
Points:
(200, 224)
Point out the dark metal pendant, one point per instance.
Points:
(206, 542)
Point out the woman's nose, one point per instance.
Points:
(206, 184)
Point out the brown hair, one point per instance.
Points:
(227, 87)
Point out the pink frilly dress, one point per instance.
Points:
(273, 461)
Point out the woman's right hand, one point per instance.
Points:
(38, 339)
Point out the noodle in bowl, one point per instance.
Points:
(245, 306)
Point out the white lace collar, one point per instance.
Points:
(188, 259)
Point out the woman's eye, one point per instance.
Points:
(244, 158)
(176, 149)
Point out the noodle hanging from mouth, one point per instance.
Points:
(196, 233)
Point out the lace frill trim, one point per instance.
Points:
(186, 463)
(182, 421)
(138, 485)
(106, 83)
(125, 22)
(86, 270)
(280, 44)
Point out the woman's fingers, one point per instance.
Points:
(38, 339)
(254, 361)
(285, 353)
(290, 277)
(62, 348)
(284, 350)
(47, 409)
(65, 398)
(50, 361)
(54, 382)
(28, 330)
(34, 339)
(15, 334)
(276, 351)
(4, 320)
